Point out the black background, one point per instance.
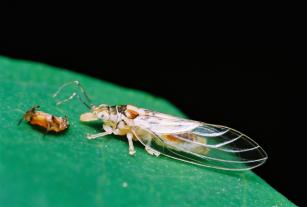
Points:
(255, 90)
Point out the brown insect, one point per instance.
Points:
(45, 120)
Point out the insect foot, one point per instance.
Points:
(90, 136)
(152, 152)
(131, 152)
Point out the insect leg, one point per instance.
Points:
(94, 136)
(19, 122)
(108, 130)
(47, 128)
(152, 151)
(130, 142)
(29, 112)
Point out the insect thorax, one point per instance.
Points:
(121, 117)
(114, 114)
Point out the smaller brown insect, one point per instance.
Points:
(45, 120)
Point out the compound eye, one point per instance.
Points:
(103, 115)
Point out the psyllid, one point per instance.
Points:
(196, 142)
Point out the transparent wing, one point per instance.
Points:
(199, 143)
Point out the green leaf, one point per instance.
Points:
(69, 170)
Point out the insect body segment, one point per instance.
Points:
(116, 120)
(45, 120)
(191, 141)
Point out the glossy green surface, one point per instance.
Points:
(69, 170)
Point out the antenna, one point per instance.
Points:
(87, 103)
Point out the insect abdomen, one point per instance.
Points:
(177, 143)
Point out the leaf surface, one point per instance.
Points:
(69, 170)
